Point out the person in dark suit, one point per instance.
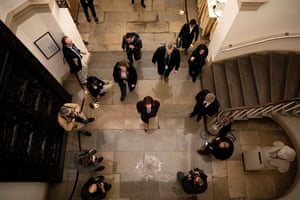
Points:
(123, 73)
(195, 182)
(197, 61)
(148, 108)
(188, 33)
(132, 44)
(89, 4)
(167, 57)
(206, 104)
(95, 188)
(221, 148)
(142, 3)
(73, 56)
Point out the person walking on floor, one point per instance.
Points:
(197, 61)
(188, 33)
(206, 104)
(125, 74)
(148, 108)
(132, 45)
(167, 57)
(86, 4)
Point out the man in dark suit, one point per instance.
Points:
(89, 4)
(206, 104)
(132, 44)
(188, 32)
(73, 56)
(123, 73)
(167, 57)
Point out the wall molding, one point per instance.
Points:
(23, 12)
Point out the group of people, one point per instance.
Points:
(167, 59)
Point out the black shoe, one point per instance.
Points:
(102, 94)
(122, 98)
(198, 118)
(87, 133)
(88, 19)
(132, 1)
(100, 159)
(192, 115)
(202, 152)
(90, 119)
(96, 19)
(100, 168)
(194, 79)
(108, 187)
(143, 5)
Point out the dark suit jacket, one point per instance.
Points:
(94, 85)
(159, 57)
(131, 74)
(199, 61)
(145, 116)
(72, 58)
(187, 36)
(211, 109)
(137, 42)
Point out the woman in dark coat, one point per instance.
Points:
(197, 61)
(188, 32)
(147, 108)
(124, 73)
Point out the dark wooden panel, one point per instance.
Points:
(32, 144)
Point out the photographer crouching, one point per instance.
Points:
(194, 182)
(95, 188)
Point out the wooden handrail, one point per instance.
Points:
(259, 42)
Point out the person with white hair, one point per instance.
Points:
(167, 57)
(206, 104)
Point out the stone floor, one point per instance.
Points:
(118, 133)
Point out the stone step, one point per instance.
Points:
(260, 65)
(277, 75)
(292, 87)
(234, 84)
(248, 81)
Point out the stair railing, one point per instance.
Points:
(290, 107)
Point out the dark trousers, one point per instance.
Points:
(85, 7)
(137, 54)
(198, 110)
(123, 87)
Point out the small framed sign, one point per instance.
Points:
(47, 45)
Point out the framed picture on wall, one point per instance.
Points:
(47, 45)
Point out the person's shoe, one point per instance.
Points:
(100, 159)
(122, 98)
(194, 79)
(87, 133)
(108, 187)
(146, 127)
(96, 19)
(89, 19)
(90, 119)
(100, 168)
(102, 94)
(192, 115)
(198, 118)
(202, 152)
(132, 1)
(143, 5)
